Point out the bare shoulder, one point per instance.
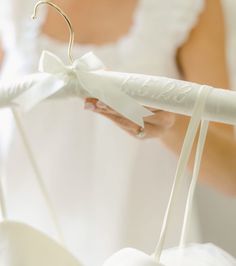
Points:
(203, 57)
(210, 24)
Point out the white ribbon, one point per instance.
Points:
(84, 75)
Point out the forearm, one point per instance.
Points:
(1, 54)
(218, 166)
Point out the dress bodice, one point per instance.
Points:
(157, 26)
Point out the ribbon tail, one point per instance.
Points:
(39, 92)
(124, 105)
(108, 91)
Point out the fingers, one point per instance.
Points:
(155, 125)
(90, 104)
(100, 105)
(161, 119)
(124, 124)
(132, 129)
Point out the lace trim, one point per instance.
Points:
(172, 19)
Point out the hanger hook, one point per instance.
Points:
(58, 9)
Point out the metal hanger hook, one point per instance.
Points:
(58, 9)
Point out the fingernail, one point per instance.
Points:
(89, 106)
(100, 105)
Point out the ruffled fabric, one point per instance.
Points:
(162, 26)
(174, 19)
(153, 18)
(187, 16)
(197, 255)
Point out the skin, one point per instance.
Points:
(201, 59)
(1, 54)
(94, 22)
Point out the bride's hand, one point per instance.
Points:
(155, 125)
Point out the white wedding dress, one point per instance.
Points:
(109, 189)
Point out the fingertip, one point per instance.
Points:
(91, 100)
(89, 106)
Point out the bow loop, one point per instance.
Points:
(89, 62)
(50, 63)
(87, 76)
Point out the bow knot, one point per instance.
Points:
(85, 74)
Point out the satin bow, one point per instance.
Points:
(86, 78)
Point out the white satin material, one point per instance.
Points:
(82, 73)
(21, 244)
